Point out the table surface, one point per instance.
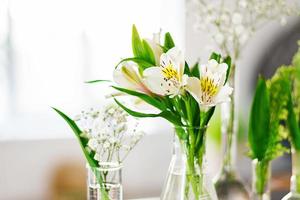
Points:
(150, 198)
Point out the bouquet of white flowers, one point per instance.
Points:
(158, 75)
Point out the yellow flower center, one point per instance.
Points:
(169, 72)
(209, 87)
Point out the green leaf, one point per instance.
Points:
(137, 45)
(150, 100)
(142, 51)
(208, 116)
(259, 123)
(97, 81)
(149, 53)
(294, 129)
(195, 70)
(165, 49)
(216, 56)
(82, 141)
(227, 60)
(186, 69)
(164, 114)
(169, 43)
(141, 62)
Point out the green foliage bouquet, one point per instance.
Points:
(265, 137)
(158, 75)
(275, 104)
(293, 125)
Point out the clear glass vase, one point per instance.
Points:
(105, 182)
(227, 182)
(294, 194)
(186, 179)
(261, 175)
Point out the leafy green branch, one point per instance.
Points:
(89, 156)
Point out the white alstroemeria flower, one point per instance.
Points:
(155, 46)
(167, 79)
(127, 76)
(210, 90)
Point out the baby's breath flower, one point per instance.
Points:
(237, 18)
(93, 143)
(110, 134)
(231, 25)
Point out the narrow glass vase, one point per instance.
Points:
(261, 175)
(294, 194)
(105, 182)
(186, 179)
(227, 182)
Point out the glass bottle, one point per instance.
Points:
(294, 194)
(186, 179)
(105, 182)
(175, 181)
(261, 175)
(227, 182)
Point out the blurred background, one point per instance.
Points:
(49, 48)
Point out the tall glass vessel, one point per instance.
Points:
(261, 175)
(228, 184)
(186, 179)
(105, 182)
(294, 194)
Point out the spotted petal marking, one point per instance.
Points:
(209, 89)
(170, 73)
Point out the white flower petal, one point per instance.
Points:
(156, 82)
(155, 46)
(175, 57)
(193, 87)
(221, 73)
(204, 70)
(153, 78)
(212, 64)
(223, 95)
(139, 104)
(130, 79)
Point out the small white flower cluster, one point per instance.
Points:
(232, 23)
(110, 131)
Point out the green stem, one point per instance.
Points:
(101, 181)
(191, 171)
(230, 126)
(296, 171)
(261, 170)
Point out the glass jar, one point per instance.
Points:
(261, 175)
(186, 179)
(105, 182)
(294, 194)
(228, 183)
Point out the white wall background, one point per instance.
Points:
(57, 45)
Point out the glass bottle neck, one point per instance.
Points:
(295, 179)
(177, 149)
(229, 130)
(184, 152)
(261, 175)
